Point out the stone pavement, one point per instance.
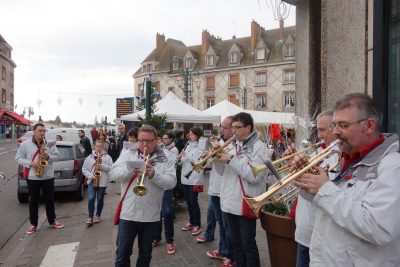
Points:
(97, 243)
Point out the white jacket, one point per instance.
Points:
(188, 175)
(105, 167)
(145, 208)
(360, 222)
(27, 150)
(231, 193)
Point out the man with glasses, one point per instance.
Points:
(140, 214)
(360, 221)
(238, 180)
(121, 137)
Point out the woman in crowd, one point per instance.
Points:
(103, 137)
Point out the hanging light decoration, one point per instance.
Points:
(59, 100)
(80, 100)
(100, 102)
(39, 102)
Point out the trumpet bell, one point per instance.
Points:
(140, 190)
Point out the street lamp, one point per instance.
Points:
(197, 83)
(243, 91)
(28, 110)
(184, 80)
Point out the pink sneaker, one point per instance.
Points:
(196, 230)
(31, 230)
(201, 239)
(227, 263)
(97, 219)
(187, 227)
(215, 254)
(57, 225)
(170, 248)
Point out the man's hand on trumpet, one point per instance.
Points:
(149, 170)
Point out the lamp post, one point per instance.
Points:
(197, 83)
(243, 91)
(28, 110)
(184, 81)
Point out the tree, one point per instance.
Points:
(58, 120)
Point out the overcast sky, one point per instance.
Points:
(85, 51)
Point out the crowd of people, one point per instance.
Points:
(346, 217)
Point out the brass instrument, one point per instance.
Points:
(257, 202)
(214, 155)
(96, 172)
(42, 162)
(140, 189)
(257, 169)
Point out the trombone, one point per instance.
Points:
(141, 190)
(256, 203)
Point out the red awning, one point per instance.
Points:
(16, 119)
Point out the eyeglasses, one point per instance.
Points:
(344, 125)
(146, 141)
(238, 127)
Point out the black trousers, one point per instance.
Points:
(47, 187)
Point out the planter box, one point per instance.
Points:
(280, 236)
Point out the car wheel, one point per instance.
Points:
(79, 193)
(22, 197)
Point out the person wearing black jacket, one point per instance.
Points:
(122, 137)
(85, 142)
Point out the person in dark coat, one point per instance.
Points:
(85, 142)
(122, 137)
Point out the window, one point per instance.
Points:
(261, 78)
(12, 80)
(3, 95)
(260, 53)
(234, 100)
(188, 63)
(234, 80)
(210, 82)
(289, 76)
(234, 57)
(209, 61)
(210, 101)
(66, 153)
(149, 68)
(289, 50)
(289, 98)
(260, 101)
(170, 89)
(175, 65)
(3, 73)
(11, 101)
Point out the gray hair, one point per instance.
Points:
(148, 128)
(325, 113)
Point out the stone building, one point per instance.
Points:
(347, 47)
(257, 71)
(7, 76)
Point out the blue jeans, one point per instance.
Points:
(211, 223)
(193, 205)
(167, 212)
(303, 256)
(243, 236)
(228, 241)
(224, 245)
(127, 232)
(92, 192)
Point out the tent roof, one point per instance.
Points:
(176, 111)
(224, 108)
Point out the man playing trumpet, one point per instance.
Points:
(140, 214)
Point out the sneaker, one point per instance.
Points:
(187, 227)
(57, 225)
(156, 243)
(196, 230)
(227, 263)
(31, 230)
(202, 239)
(89, 221)
(215, 254)
(97, 219)
(170, 248)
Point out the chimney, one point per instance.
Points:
(255, 32)
(205, 42)
(160, 41)
(281, 32)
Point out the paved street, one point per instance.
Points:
(96, 244)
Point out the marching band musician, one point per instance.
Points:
(192, 181)
(140, 214)
(27, 156)
(238, 180)
(98, 156)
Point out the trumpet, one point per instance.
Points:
(260, 168)
(42, 162)
(97, 172)
(141, 190)
(214, 155)
(257, 202)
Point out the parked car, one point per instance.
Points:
(67, 172)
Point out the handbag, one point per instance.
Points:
(119, 207)
(198, 188)
(24, 171)
(247, 212)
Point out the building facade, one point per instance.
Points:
(7, 76)
(256, 72)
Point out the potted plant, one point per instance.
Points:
(280, 229)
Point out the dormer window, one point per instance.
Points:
(209, 60)
(234, 57)
(175, 65)
(188, 63)
(289, 50)
(260, 54)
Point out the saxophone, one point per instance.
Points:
(96, 172)
(42, 161)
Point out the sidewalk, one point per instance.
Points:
(97, 243)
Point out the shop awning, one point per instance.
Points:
(12, 117)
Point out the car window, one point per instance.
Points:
(81, 150)
(78, 153)
(66, 152)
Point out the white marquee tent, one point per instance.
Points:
(176, 111)
(224, 109)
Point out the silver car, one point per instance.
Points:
(68, 175)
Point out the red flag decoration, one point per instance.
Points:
(275, 132)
